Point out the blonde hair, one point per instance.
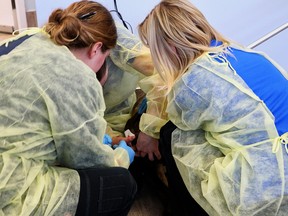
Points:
(82, 24)
(177, 33)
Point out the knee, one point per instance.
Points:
(129, 182)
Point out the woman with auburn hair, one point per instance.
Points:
(226, 142)
(52, 158)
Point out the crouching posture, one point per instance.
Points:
(52, 157)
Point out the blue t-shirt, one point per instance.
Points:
(265, 80)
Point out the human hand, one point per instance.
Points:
(116, 140)
(130, 151)
(107, 140)
(147, 145)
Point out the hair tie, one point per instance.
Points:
(87, 15)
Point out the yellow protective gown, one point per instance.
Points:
(155, 116)
(119, 90)
(123, 78)
(223, 143)
(51, 122)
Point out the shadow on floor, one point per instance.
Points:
(152, 198)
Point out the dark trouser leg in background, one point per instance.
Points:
(182, 202)
(106, 191)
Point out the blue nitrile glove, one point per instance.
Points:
(107, 140)
(131, 153)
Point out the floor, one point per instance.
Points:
(152, 198)
(148, 202)
(4, 36)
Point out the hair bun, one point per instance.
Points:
(57, 16)
(82, 24)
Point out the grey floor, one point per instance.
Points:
(151, 200)
(147, 204)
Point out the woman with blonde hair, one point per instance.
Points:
(52, 158)
(228, 110)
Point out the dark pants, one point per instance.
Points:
(106, 191)
(182, 202)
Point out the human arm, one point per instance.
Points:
(120, 143)
(76, 107)
(130, 54)
(113, 141)
(83, 147)
(128, 63)
(133, 60)
(153, 119)
(147, 145)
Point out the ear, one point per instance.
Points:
(94, 49)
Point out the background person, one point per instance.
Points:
(128, 107)
(52, 159)
(229, 106)
(130, 66)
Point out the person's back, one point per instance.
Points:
(266, 80)
(224, 141)
(32, 117)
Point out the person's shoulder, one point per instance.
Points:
(199, 66)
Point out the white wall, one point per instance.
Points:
(15, 18)
(21, 14)
(30, 5)
(6, 13)
(244, 21)
(132, 11)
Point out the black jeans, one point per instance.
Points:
(182, 202)
(106, 191)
